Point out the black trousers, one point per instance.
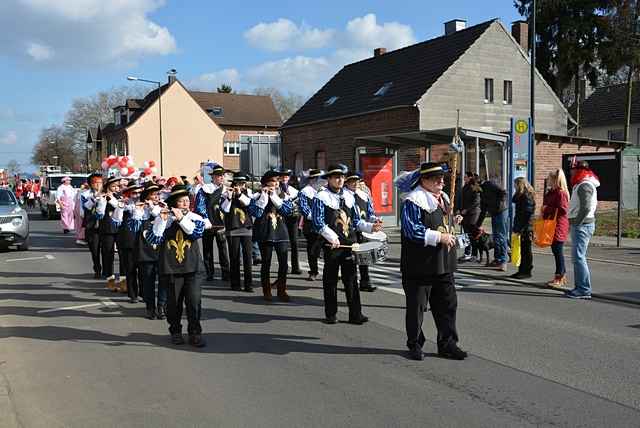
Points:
(240, 247)
(183, 290)
(207, 250)
(129, 268)
(107, 250)
(364, 281)
(335, 261)
(93, 242)
(266, 252)
(312, 254)
(292, 230)
(526, 255)
(149, 272)
(440, 292)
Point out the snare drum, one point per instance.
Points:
(378, 236)
(369, 253)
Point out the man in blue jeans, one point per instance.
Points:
(493, 201)
(582, 218)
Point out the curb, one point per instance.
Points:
(598, 296)
(615, 262)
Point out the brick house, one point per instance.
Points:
(403, 105)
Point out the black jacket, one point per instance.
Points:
(525, 207)
(493, 200)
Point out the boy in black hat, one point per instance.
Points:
(336, 220)
(428, 262)
(237, 208)
(106, 203)
(305, 200)
(176, 231)
(91, 222)
(270, 230)
(208, 200)
(126, 239)
(293, 220)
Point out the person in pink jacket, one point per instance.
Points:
(556, 203)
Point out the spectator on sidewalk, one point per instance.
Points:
(493, 201)
(582, 218)
(556, 204)
(470, 211)
(524, 199)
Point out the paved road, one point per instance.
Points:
(76, 355)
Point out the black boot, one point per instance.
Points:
(161, 312)
(151, 313)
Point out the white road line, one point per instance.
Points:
(108, 302)
(48, 256)
(103, 302)
(392, 290)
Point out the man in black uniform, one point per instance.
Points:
(108, 230)
(428, 262)
(305, 201)
(126, 240)
(336, 220)
(91, 222)
(293, 220)
(207, 204)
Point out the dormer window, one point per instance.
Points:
(216, 111)
(330, 101)
(383, 89)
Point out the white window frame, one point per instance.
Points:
(231, 148)
(488, 90)
(507, 96)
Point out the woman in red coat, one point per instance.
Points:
(556, 203)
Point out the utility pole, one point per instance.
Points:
(532, 140)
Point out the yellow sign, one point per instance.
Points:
(521, 126)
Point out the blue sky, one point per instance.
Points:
(52, 51)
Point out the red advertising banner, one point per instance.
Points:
(378, 174)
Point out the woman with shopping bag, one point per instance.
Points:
(524, 200)
(556, 205)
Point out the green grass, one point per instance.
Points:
(606, 223)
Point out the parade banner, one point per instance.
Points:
(377, 171)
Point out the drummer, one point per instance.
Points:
(364, 208)
(335, 218)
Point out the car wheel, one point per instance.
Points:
(24, 246)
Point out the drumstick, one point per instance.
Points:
(351, 247)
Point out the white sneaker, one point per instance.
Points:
(81, 242)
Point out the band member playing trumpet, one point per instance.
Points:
(270, 230)
(293, 220)
(428, 260)
(305, 200)
(91, 222)
(176, 231)
(237, 208)
(106, 203)
(336, 220)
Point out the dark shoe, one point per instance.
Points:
(209, 277)
(359, 321)
(151, 314)
(236, 288)
(330, 320)
(257, 261)
(312, 277)
(575, 294)
(494, 263)
(97, 275)
(133, 300)
(197, 341)
(416, 354)
(177, 339)
(65, 231)
(266, 292)
(452, 352)
(282, 290)
(225, 276)
(521, 275)
(161, 313)
(368, 288)
(248, 289)
(296, 272)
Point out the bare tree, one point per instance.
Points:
(286, 104)
(56, 147)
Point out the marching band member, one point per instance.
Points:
(305, 199)
(147, 254)
(176, 231)
(208, 206)
(428, 260)
(106, 203)
(237, 208)
(91, 221)
(365, 212)
(270, 230)
(293, 220)
(336, 220)
(126, 240)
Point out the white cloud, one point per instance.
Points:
(366, 32)
(9, 137)
(297, 74)
(210, 81)
(82, 32)
(283, 35)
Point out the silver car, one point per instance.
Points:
(14, 222)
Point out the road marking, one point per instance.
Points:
(392, 290)
(48, 257)
(103, 302)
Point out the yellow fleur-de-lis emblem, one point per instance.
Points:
(274, 219)
(240, 214)
(344, 221)
(180, 244)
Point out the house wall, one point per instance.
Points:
(602, 132)
(189, 135)
(494, 55)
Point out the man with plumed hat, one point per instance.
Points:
(336, 220)
(305, 200)
(207, 205)
(293, 220)
(176, 231)
(90, 220)
(428, 260)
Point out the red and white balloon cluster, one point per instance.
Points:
(123, 164)
(149, 167)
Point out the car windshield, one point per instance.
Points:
(7, 198)
(76, 182)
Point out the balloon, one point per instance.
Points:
(124, 159)
(104, 164)
(145, 164)
(123, 171)
(154, 169)
(152, 163)
(130, 163)
(111, 160)
(130, 170)
(122, 163)
(147, 171)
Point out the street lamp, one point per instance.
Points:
(137, 79)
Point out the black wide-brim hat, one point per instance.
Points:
(286, 172)
(148, 190)
(353, 175)
(335, 170)
(315, 173)
(177, 192)
(272, 173)
(239, 177)
(111, 180)
(94, 175)
(132, 185)
(217, 169)
(430, 169)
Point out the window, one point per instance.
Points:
(321, 160)
(383, 89)
(508, 92)
(615, 134)
(330, 101)
(232, 148)
(216, 111)
(488, 90)
(298, 163)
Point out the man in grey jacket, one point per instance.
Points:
(582, 218)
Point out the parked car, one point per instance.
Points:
(14, 222)
(50, 182)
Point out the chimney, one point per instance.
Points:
(454, 25)
(172, 75)
(379, 51)
(520, 32)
